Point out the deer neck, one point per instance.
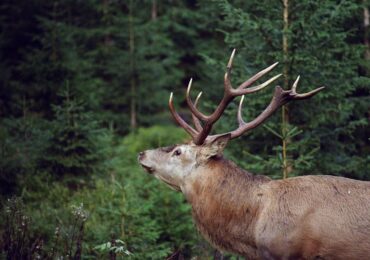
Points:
(214, 192)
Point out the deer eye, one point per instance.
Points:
(177, 152)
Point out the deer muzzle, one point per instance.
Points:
(141, 159)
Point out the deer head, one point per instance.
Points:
(173, 165)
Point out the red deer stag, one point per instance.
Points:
(308, 217)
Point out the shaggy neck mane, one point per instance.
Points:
(215, 193)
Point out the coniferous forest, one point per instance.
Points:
(84, 87)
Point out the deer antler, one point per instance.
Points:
(201, 133)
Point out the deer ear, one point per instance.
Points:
(217, 146)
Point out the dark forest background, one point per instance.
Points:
(84, 86)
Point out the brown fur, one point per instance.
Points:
(310, 217)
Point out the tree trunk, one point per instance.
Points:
(366, 31)
(54, 56)
(107, 36)
(133, 114)
(154, 10)
(287, 168)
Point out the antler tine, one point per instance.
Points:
(303, 95)
(308, 94)
(227, 81)
(275, 103)
(179, 120)
(295, 84)
(192, 107)
(259, 87)
(257, 76)
(196, 121)
(231, 59)
(280, 98)
(240, 118)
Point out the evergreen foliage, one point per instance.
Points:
(72, 148)
(324, 51)
(84, 87)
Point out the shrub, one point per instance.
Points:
(152, 137)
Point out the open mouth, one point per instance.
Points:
(148, 168)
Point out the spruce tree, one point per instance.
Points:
(72, 149)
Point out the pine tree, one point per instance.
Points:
(72, 149)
